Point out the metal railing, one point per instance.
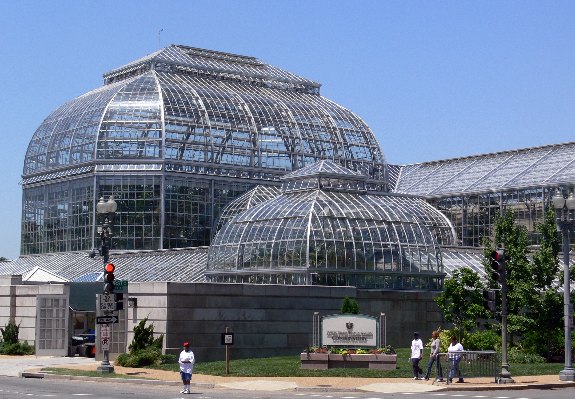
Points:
(457, 366)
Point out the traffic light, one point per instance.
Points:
(109, 278)
(489, 300)
(498, 265)
(119, 297)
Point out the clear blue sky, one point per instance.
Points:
(433, 79)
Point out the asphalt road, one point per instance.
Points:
(16, 388)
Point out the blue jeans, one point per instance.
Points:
(454, 369)
(430, 365)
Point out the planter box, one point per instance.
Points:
(324, 361)
(316, 361)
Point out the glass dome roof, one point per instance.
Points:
(333, 232)
(182, 105)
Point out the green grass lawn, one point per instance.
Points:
(286, 366)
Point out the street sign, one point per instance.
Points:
(107, 319)
(105, 331)
(118, 284)
(104, 335)
(107, 302)
(227, 338)
(105, 343)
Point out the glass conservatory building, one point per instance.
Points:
(174, 137)
(326, 228)
(192, 141)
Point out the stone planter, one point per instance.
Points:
(323, 361)
(317, 361)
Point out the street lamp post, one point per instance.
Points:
(565, 218)
(106, 211)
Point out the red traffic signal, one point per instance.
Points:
(109, 269)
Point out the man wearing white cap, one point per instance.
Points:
(186, 367)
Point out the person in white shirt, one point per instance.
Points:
(416, 355)
(454, 359)
(186, 361)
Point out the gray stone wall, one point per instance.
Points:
(18, 303)
(267, 320)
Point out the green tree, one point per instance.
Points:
(462, 300)
(533, 303)
(519, 271)
(546, 304)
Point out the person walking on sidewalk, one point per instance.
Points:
(186, 361)
(416, 355)
(454, 359)
(434, 357)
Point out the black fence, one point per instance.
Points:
(457, 366)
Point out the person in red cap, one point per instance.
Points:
(186, 361)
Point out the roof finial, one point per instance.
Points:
(159, 36)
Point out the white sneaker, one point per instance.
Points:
(186, 391)
(183, 391)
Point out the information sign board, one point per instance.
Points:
(227, 338)
(107, 302)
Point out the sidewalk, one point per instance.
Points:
(319, 384)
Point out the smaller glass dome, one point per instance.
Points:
(248, 200)
(325, 228)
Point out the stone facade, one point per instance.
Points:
(18, 303)
(267, 320)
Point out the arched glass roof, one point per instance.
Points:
(255, 196)
(333, 234)
(546, 166)
(185, 106)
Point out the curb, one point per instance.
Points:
(123, 380)
(509, 387)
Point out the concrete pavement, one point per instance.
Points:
(13, 366)
(30, 366)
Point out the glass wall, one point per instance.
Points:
(473, 216)
(58, 217)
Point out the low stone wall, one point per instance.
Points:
(324, 361)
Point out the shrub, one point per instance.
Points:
(10, 333)
(144, 337)
(145, 350)
(482, 340)
(19, 348)
(515, 355)
(168, 359)
(549, 344)
(349, 306)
